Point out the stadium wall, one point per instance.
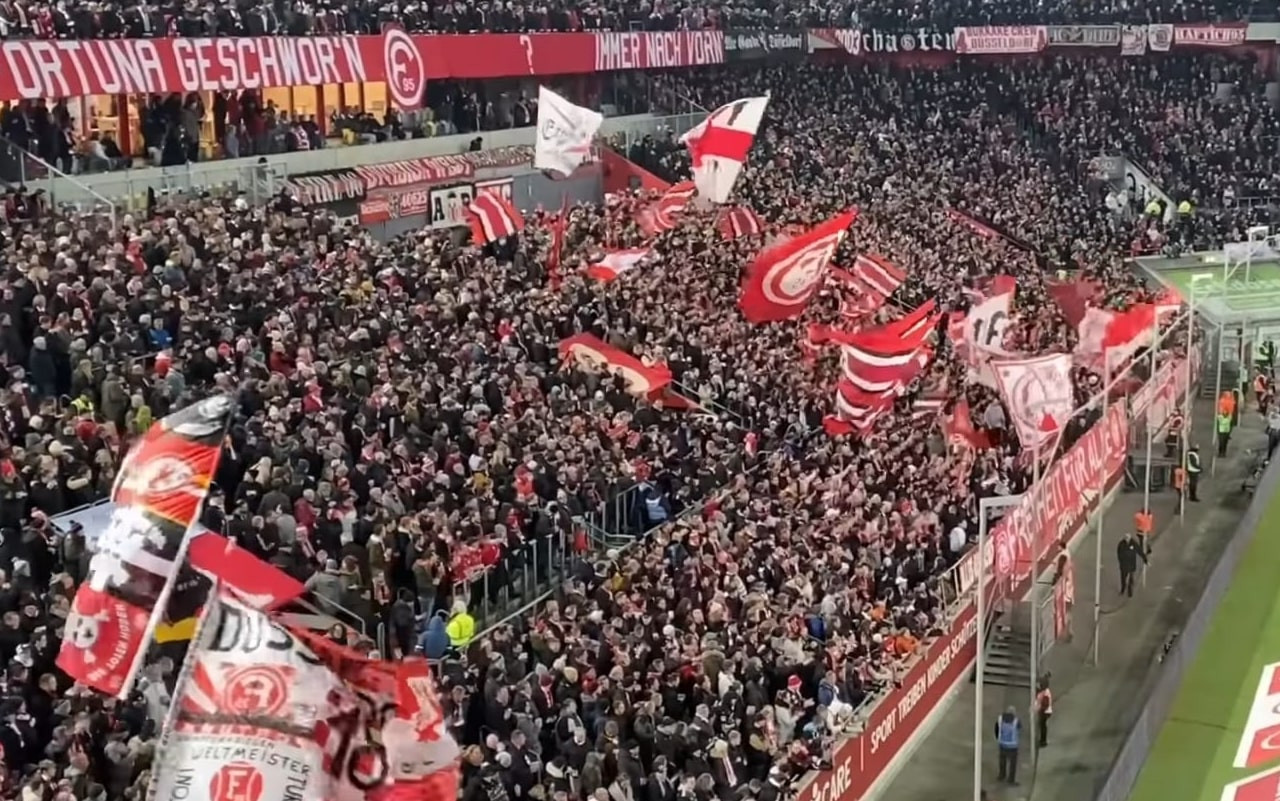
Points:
(1165, 681)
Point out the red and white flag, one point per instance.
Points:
(589, 352)
(663, 214)
(1039, 395)
(878, 275)
(492, 217)
(875, 361)
(736, 221)
(920, 319)
(264, 711)
(718, 146)
(784, 278)
(616, 263)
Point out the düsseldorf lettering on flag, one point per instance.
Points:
(616, 262)
(1039, 395)
(589, 352)
(663, 214)
(718, 146)
(492, 217)
(158, 494)
(783, 278)
(265, 711)
(736, 221)
(878, 275)
(564, 133)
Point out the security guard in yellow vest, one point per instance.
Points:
(1193, 472)
(1185, 208)
(461, 627)
(1223, 427)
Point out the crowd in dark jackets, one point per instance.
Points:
(408, 436)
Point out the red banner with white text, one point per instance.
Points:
(31, 69)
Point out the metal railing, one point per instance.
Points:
(524, 574)
(257, 183)
(20, 167)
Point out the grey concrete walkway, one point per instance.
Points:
(1095, 706)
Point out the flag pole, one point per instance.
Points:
(1102, 506)
(1217, 388)
(1146, 424)
(210, 613)
(1186, 402)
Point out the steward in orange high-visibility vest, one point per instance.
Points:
(1227, 403)
(1144, 523)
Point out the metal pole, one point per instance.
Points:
(1036, 634)
(1102, 506)
(1186, 401)
(979, 678)
(1217, 389)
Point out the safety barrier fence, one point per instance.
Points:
(1162, 686)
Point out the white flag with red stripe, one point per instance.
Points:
(616, 262)
(492, 217)
(719, 145)
(736, 221)
(1039, 396)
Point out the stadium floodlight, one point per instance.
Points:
(985, 507)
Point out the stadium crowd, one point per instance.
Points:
(403, 403)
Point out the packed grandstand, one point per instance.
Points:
(656, 536)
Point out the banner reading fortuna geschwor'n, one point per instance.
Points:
(265, 712)
(158, 494)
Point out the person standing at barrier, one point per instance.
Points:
(1273, 431)
(1143, 524)
(1044, 711)
(1128, 553)
(1193, 472)
(1008, 731)
(1262, 390)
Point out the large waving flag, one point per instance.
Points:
(158, 494)
(616, 262)
(856, 411)
(665, 213)
(736, 221)
(589, 352)
(1039, 396)
(783, 278)
(264, 711)
(719, 145)
(492, 217)
(878, 275)
(564, 134)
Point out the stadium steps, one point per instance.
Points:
(1008, 659)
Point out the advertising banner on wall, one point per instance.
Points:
(448, 206)
(1084, 35)
(1210, 35)
(751, 45)
(873, 42)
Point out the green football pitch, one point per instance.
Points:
(1197, 750)
(1260, 292)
